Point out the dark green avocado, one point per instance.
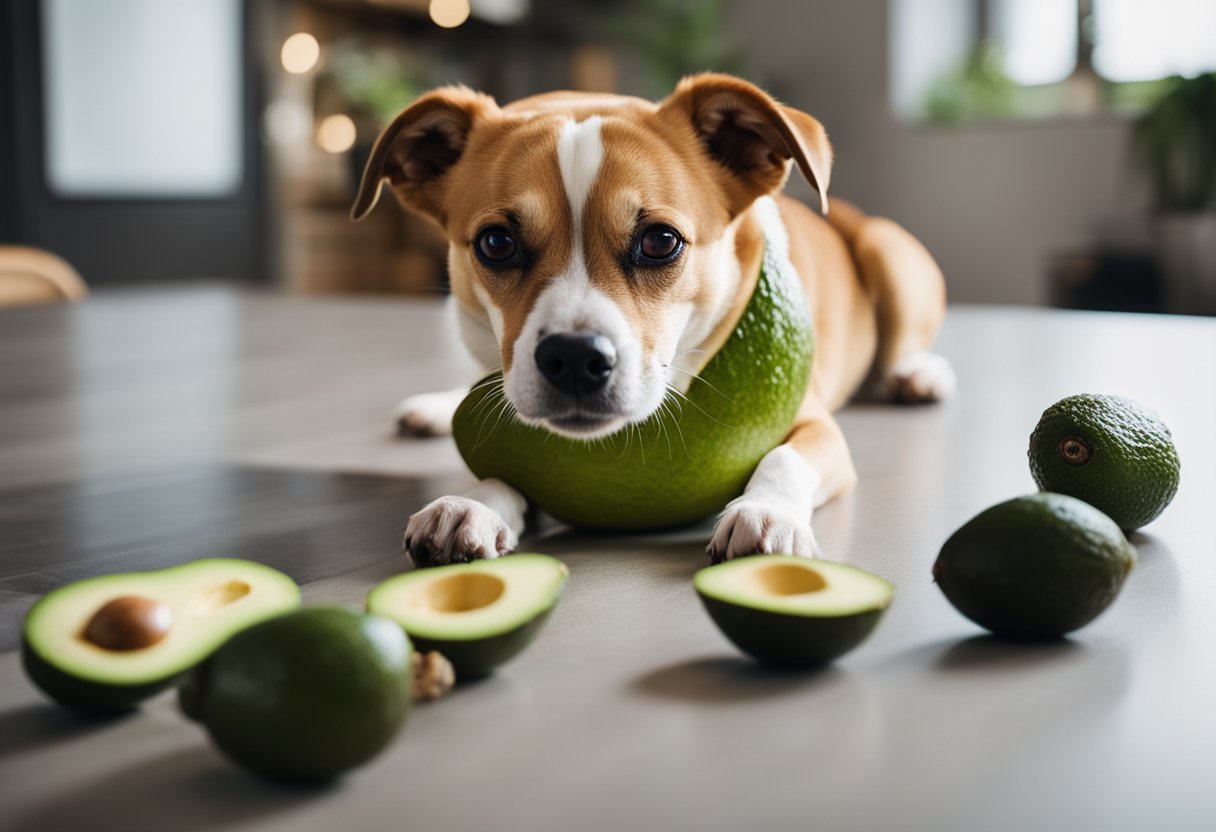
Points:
(478, 615)
(1112, 452)
(306, 696)
(792, 612)
(105, 644)
(1035, 567)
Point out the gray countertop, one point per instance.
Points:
(630, 711)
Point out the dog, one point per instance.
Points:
(602, 248)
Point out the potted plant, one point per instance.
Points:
(1174, 144)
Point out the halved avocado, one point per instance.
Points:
(791, 611)
(105, 644)
(477, 614)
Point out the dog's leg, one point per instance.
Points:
(429, 414)
(910, 294)
(774, 512)
(484, 523)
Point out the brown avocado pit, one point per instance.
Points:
(129, 622)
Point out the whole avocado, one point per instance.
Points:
(1035, 567)
(1112, 452)
(305, 696)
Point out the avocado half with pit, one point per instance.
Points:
(477, 614)
(105, 644)
(791, 611)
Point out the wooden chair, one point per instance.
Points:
(31, 275)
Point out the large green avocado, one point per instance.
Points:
(790, 611)
(105, 644)
(690, 458)
(479, 614)
(306, 696)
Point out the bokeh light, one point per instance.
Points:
(449, 13)
(300, 53)
(336, 134)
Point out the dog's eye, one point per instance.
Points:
(495, 245)
(658, 244)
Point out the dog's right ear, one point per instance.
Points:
(420, 146)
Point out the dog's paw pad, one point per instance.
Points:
(753, 528)
(427, 414)
(456, 530)
(920, 378)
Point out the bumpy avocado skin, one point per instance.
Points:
(1036, 567)
(791, 640)
(681, 465)
(476, 658)
(306, 696)
(85, 696)
(1133, 469)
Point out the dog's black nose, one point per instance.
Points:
(578, 363)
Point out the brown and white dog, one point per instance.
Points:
(602, 248)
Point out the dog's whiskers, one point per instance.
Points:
(704, 412)
(697, 377)
(665, 405)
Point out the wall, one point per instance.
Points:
(993, 202)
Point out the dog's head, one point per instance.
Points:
(592, 237)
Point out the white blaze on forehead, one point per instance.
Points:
(580, 152)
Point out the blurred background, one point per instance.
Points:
(1048, 152)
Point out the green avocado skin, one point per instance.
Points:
(305, 696)
(86, 696)
(794, 641)
(682, 464)
(1133, 471)
(1036, 567)
(476, 658)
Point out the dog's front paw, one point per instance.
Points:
(456, 530)
(921, 378)
(428, 414)
(748, 527)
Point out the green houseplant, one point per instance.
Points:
(1174, 146)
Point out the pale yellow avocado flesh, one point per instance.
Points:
(794, 586)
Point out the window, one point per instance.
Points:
(143, 97)
(1136, 40)
(1037, 39)
(958, 60)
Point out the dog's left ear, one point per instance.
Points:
(754, 137)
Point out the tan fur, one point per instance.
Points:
(696, 161)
